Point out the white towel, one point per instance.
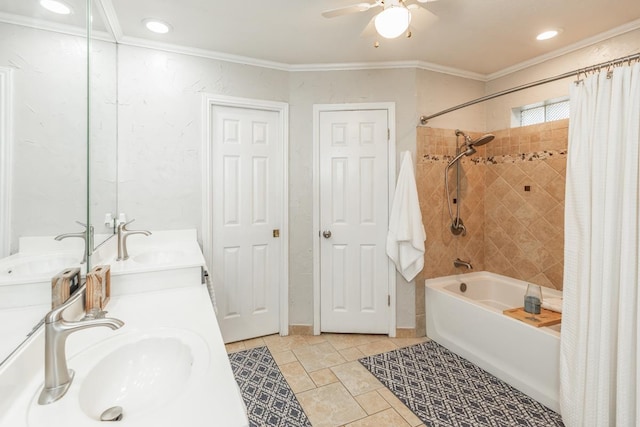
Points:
(553, 304)
(405, 240)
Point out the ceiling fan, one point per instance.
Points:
(391, 22)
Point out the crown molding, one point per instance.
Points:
(244, 60)
(112, 22)
(55, 27)
(452, 71)
(202, 53)
(422, 65)
(111, 19)
(614, 32)
(39, 24)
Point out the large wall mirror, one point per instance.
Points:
(58, 151)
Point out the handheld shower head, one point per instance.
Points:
(468, 152)
(467, 148)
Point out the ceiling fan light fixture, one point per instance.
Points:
(393, 21)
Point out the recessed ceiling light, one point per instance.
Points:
(546, 35)
(157, 26)
(56, 6)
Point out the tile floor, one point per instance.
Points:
(333, 388)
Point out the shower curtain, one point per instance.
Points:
(599, 341)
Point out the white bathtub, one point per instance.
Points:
(471, 324)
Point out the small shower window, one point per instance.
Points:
(547, 111)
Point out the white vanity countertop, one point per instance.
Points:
(162, 250)
(166, 259)
(11, 335)
(213, 399)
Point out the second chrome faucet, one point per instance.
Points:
(123, 234)
(86, 235)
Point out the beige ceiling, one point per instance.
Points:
(470, 36)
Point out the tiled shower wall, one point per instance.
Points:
(511, 201)
(436, 147)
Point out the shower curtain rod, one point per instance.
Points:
(425, 119)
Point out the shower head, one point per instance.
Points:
(475, 142)
(482, 140)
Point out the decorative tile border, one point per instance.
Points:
(527, 157)
(493, 160)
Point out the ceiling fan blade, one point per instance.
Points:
(418, 6)
(421, 19)
(354, 8)
(369, 30)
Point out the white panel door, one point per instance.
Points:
(247, 202)
(354, 215)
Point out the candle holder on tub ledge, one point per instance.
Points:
(533, 301)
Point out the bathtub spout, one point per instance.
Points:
(460, 263)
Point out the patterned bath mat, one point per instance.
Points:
(269, 399)
(444, 389)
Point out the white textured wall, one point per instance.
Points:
(499, 110)
(160, 129)
(49, 130)
(437, 92)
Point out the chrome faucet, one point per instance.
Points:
(57, 377)
(123, 233)
(88, 239)
(460, 263)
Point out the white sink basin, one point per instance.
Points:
(21, 265)
(136, 376)
(159, 257)
(148, 375)
(25, 278)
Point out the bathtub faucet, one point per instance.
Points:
(460, 263)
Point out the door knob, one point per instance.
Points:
(326, 234)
